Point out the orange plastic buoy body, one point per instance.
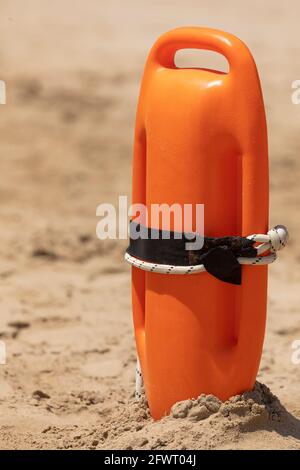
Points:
(201, 138)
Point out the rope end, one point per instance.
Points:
(279, 236)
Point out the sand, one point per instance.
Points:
(202, 423)
(72, 72)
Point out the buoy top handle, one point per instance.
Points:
(232, 48)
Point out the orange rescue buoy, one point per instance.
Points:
(201, 138)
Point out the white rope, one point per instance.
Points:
(275, 240)
(139, 383)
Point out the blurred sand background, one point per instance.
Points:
(72, 70)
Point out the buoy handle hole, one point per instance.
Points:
(201, 59)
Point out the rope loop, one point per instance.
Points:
(268, 245)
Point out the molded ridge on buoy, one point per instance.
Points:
(201, 138)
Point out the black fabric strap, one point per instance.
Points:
(218, 255)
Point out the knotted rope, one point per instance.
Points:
(275, 240)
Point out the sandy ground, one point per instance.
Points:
(72, 70)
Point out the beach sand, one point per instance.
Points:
(72, 72)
